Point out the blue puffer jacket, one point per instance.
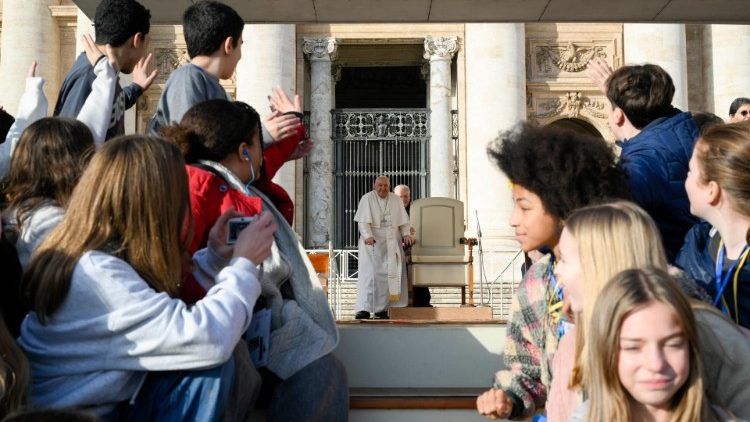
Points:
(656, 161)
(698, 259)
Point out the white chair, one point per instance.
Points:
(439, 255)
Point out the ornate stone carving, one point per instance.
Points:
(320, 48)
(167, 60)
(440, 47)
(568, 57)
(572, 104)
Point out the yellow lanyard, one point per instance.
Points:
(721, 282)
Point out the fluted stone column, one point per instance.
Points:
(268, 60)
(320, 52)
(496, 98)
(29, 33)
(727, 59)
(440, 51)
(662, 44)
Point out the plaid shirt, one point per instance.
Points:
(531, 342)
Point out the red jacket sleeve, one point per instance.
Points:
(278, 153)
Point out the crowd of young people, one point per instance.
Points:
(601, 326)
(131, 304)
(125, 301)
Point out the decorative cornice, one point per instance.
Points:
(320, 48)
(64, 15)
(440, 48)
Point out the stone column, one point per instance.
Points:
(662, 44)
(727, 59)
(29, 33)
(496, 98)
(268, 60)
(440, 51)
(320, 52)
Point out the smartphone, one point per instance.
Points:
(236, 225)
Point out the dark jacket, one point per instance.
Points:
(698, 259)
(656, 162)
(76, 88)
(12, 308)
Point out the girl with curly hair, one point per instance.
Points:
(553, 172)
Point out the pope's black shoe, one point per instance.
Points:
(362, 315)
(381, 315)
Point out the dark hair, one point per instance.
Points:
(14, 373)
(207, 24)
(6, 121)
(117, 20)
(212, 129)
(47, 163)
(705, 120)
(643, 92)
(566, 169)
(737, 103)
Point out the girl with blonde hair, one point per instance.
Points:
(644, 375)
(107, 332)
(602, 240)
(715, 252)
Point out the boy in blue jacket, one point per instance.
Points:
(657, 141)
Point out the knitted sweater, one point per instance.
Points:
(530, 344)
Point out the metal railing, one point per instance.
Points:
(343, 275)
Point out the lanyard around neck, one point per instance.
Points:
(722, 281)
(555, 303)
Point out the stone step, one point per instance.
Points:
(464, 313)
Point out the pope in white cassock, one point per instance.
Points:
(383, 224)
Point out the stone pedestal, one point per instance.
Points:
(727, 58)
(662, 44)
(320, 52)
(29, 33)
(268, 60)
(440, 51)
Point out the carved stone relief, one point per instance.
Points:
(146, 106)
(554, 59)
(571, 104)
(167, 60)
(568, 57)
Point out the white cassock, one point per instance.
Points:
(382, 275)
